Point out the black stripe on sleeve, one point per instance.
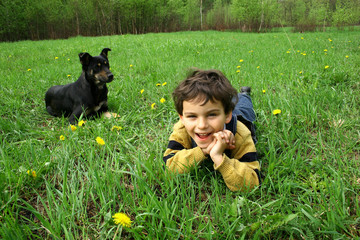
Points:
(249, 157)
(174, 145)
(167, 157)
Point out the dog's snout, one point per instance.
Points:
(110, 76)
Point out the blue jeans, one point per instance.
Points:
(244, 111)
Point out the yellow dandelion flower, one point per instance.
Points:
(258, 67)
(100, 141)
(122, 219)
(62, 137)
(301, 72)
(29, 69)
(238, 66)
(142, 91)
(276, 111)
(287, 51)
(330, 40)
(164, 83)
(116, 128)
(237, 71)
(153, 106)
(68, 75)
(325, 50)
(131, 65)
(162, 100)
(158, 84)
(31, 173)
(347, 56)
(73, 127)
(56, 58)
(68, 59)
(302, 38)
(81, 123)
(241, 60)
(327, 66)
(263, 91)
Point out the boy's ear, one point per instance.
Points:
(181, 117)
(228, 117)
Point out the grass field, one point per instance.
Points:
(58, 183)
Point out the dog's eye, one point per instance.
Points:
(99, 64)
(105, 62)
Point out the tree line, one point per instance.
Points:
(44, 19)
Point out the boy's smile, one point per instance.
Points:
(201, 121)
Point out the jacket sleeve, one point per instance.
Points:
(179, 156)
(241, 172)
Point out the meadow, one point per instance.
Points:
(58, 182)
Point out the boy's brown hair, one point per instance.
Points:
(206, 85)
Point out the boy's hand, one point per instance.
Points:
(222, 140)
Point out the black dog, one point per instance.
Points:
(88, 95)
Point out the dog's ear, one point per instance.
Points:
(104, 52)
(85, 58)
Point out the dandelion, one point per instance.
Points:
(68, 75)
(100, 141)
(330, 40)
(73, 127)
(301, 72)
(158, 84)
(29, 69)
(325, 50)
(162, 100)
(238, 71)
(153, 106)
(258, 67)
(276, 112)
(238, 66)
(62, 137)
(164, 83)
(347, 56)
(302, 38)
(68, 59)
(56, 58)
(287, 51)
(241, 60)
(122, 219)
(131, 65)
(116, 128)
(31, 173)
(327, 66)
(263, 91)
(81, 123)
(142, 91)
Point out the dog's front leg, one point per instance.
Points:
(75, 115)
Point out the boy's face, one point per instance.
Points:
(202, 121)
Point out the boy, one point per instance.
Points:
(205, 102)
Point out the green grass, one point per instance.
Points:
(309, 152)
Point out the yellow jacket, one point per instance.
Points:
(240, 170)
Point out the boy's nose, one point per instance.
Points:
(202, 123)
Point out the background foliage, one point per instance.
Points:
(44, 19)
(309, 152)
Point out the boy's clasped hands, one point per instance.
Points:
(222, 140)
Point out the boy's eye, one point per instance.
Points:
(191, 116)
(212, 114)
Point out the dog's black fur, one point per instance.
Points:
(87, 95)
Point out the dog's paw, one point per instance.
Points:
(110, 115)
